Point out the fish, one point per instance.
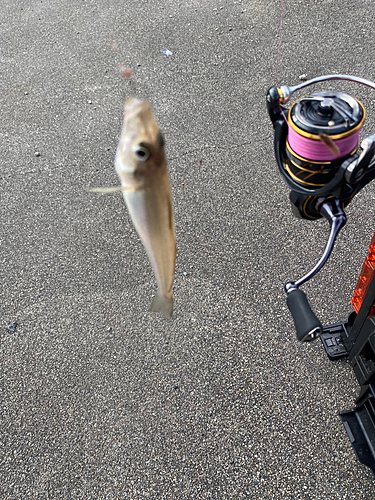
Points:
(327, 141)
(141, 165)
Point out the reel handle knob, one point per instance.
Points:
(308, 327)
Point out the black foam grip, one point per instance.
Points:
(307, 324)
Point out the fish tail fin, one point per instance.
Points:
(161, 304)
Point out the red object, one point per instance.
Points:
(367, 272)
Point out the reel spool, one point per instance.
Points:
(318, 155)
(323, 131)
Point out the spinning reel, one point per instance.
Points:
(318, 155)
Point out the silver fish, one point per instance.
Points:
(142, 169)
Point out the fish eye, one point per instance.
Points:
(142, 152)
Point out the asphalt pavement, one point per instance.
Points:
(101, 399)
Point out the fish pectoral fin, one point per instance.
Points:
(113, 189)
(161, 304)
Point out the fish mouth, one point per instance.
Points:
(134, 106)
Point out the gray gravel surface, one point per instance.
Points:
(101, 399)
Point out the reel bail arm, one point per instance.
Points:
(286, 91)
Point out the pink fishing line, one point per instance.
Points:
(317, 150)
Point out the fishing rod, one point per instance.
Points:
(323, 162)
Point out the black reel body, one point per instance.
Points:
(318, 155)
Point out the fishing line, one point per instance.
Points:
(128, 75)
(280, 39)
(311, 149)
(126, 72)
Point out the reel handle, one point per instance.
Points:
(308, 327)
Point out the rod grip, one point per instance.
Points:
(307, 324)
